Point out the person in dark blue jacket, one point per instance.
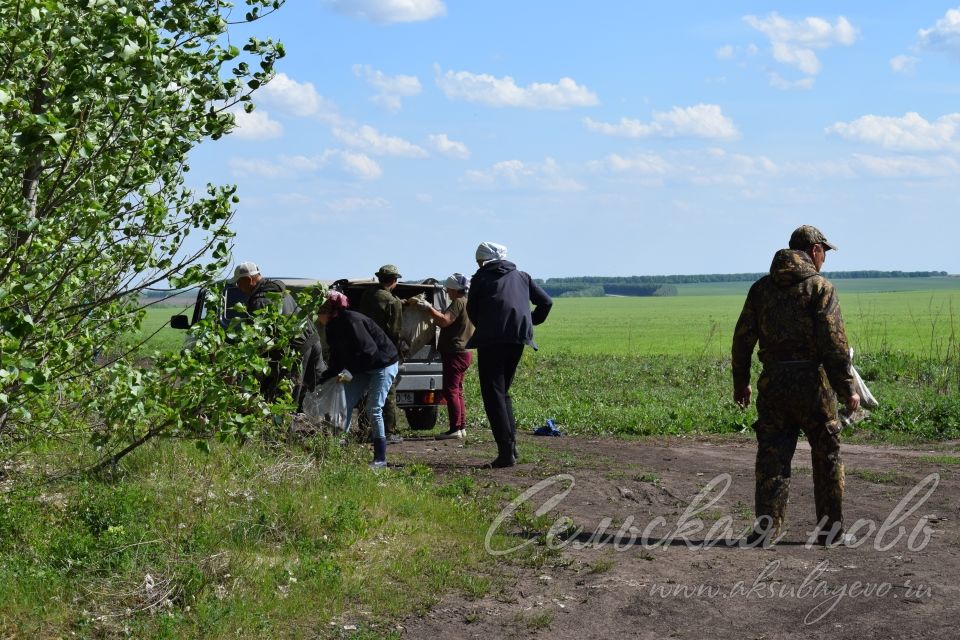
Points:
(364, 359)
(499, 308)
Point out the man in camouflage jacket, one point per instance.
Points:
(794, 314)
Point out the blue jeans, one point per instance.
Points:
(376, 384)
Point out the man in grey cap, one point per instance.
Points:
(386, 310)
(261, 293)
(794, 314)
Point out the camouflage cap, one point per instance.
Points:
(807, 236)
(388, 271)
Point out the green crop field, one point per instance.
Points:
(642, 366)
(913, 315)
(886, 318)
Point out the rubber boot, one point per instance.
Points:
(379, 453)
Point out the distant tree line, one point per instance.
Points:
(596, 286)
(578, 290)
(604, 281)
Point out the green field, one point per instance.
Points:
(913, 315)
(644, 366)
(918, 322)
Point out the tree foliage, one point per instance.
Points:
(100, 103)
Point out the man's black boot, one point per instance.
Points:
(505, 457)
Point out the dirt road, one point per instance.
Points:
(692, 584)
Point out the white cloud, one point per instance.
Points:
(356, 203)
(504, 92)
(911, 132)
(441, 143)
(709, 167)
(255, 125)
(360, 165)
(908, 166)
(794, 41)
(297, 99)
(287, 167)
(389, 11)
(698, 121)
(779, 82)
(515, 174)
(391, 89)
(744, 164)
(904, 64)
(944, 35)
(369, 139)
(647, 164)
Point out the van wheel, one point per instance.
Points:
(421, 418)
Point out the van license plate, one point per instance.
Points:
(404, 397)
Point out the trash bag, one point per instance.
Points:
(866, 398)
(329, 405)
(418, 329)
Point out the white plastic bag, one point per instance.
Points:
(417, 330)
(866, 398)
(328, 404)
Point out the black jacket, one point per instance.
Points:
(499, 305)
(357, 344)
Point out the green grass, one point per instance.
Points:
(156, 332)
(675, 395)
(941, 460)
(916, 322)
(244, 542)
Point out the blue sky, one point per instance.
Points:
(598, 138)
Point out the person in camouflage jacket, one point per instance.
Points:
(795, 316)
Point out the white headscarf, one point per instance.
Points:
(457, 281)
(488, 251)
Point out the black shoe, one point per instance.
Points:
(394, 439)
(500, 463)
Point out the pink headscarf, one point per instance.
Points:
(334, 304)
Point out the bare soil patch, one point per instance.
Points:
(693, 590)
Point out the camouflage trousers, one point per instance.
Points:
(790, 401)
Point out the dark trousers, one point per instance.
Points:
(455, 365)
(496, 366)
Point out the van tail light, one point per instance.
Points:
(429, 397)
